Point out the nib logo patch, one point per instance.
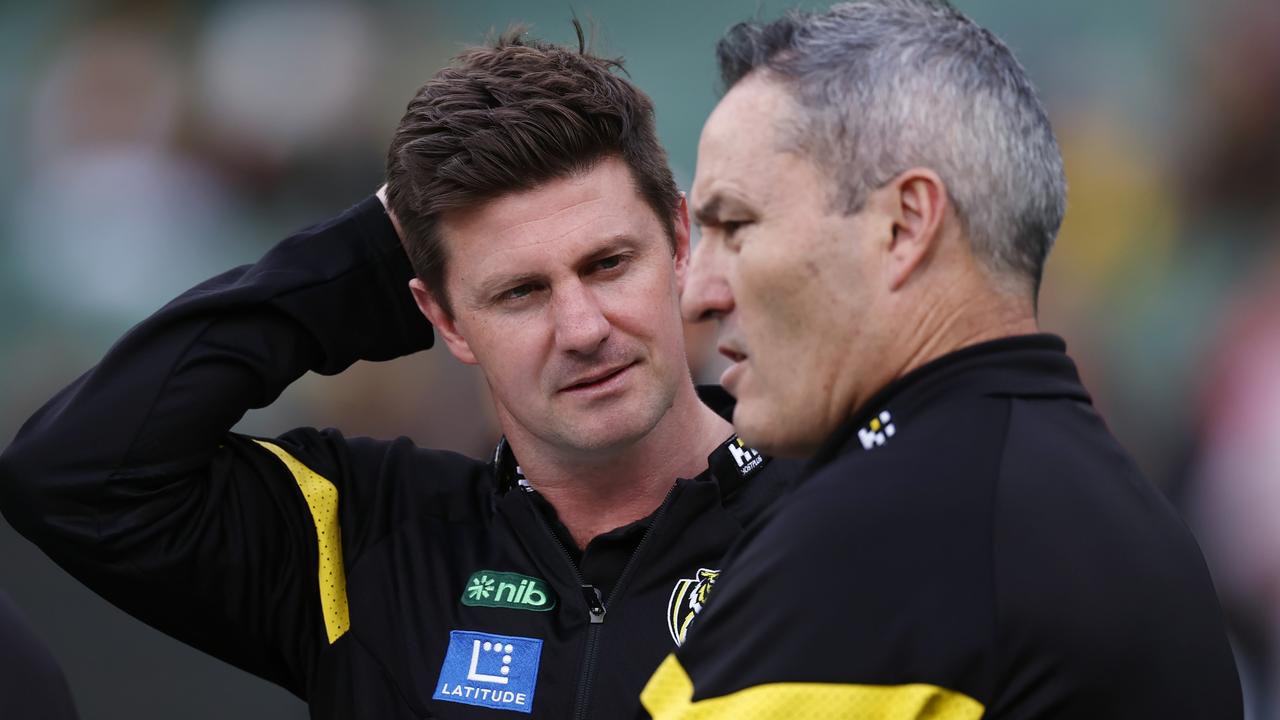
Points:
(488, 588)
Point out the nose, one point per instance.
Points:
(581, 326)
(706, 294)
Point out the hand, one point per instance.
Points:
(382, 195)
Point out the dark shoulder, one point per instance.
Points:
(433, 481)
(938, 466)
(379, 484)
(1096, 573)
(876, 569)
(911, 517)
(1068, 492)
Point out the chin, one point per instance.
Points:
(759, 435)
(772, 434)
(610, 432)
(604, 439)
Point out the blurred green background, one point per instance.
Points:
(148, 145)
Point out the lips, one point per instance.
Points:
(732, 375)
(732, 354)
(596, 379)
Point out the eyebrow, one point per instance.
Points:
(708, 213)
(490, 288)
(612, 245)
(618, 243)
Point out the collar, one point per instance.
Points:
(1019, 366)
(731, 463)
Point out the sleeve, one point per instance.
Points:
(844, 606)
(130, 479)
(31, 683)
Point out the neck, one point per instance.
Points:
(943, 318)
(596, 492)
(946, 328)
(965, 313)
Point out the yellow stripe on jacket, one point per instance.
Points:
(322, 500)
(669, 696)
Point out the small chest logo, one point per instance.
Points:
(687, 599)
(747, 458)
(877, 431)
(493, 671)
(486, 588)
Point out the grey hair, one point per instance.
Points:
(882, 86)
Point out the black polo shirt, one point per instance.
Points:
(972, 543)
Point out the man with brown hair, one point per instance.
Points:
(376, 579)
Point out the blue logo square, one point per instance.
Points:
(493, 671)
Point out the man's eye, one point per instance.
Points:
(517, 292)
(609, 263)
(731, 233)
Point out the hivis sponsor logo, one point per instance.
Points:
(687, 599)
(879, 430)
(493, 671)
(486, 588)
(746, 458)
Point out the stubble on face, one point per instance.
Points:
(567, 299)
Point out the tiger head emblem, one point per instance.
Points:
(687, 600)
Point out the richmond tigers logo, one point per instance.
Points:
(687, 599)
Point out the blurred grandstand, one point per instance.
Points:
(148, 145)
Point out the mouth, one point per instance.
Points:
(733, 355)
(597, 380)
(732, 375)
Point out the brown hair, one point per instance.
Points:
(507, 118)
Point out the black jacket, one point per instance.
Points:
(32, 686)
(372, 579)
(973, 543)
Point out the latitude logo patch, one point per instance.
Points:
(879, 430)
(687, 599)
(488, 588)
(493, 671)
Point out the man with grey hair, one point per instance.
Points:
(878, 191)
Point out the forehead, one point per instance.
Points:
(740, 151)
(552, 222)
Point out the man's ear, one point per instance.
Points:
(442, 321)
(682, 242)
(917, 201)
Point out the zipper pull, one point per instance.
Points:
(595, 603)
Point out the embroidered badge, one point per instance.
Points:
(493, 671)
(747, 459)
(487, 588)
(687, 599)
(877, 431)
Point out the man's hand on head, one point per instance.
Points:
(382, 196)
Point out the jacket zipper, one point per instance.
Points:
(596, 605)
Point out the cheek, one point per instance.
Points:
(771, 294)
(512, 352)
(644, 305)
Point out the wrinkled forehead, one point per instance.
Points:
(553, 223)
(744, 142)
(607, 187)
